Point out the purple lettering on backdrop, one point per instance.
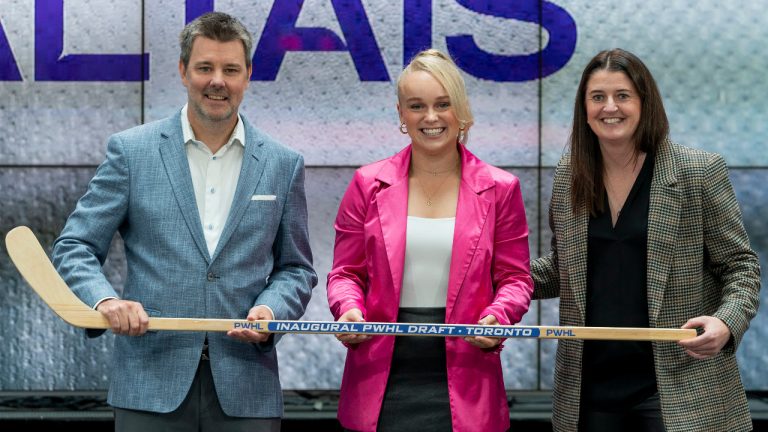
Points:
(195, 8)
(9, 71)
(281, 35)
(417, 27)
(50, 65)
(481, 64)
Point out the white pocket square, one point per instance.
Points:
(263, 198)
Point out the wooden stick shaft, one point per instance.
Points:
(93, 319)
(33, 264)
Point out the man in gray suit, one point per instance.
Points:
(213, 217)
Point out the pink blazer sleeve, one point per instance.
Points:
(348, 278)
(511, 273)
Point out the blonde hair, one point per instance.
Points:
(445, 71)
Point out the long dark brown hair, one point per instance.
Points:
(587, 188)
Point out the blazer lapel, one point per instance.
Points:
(572, 244)
(471, 216)
(174, 157)
(663, 224)
(392, 206)
(576, 230)
(250, 174)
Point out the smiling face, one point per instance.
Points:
(425, 108)
(613, 107)
(216, 79)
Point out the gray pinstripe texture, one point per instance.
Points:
(699, 263)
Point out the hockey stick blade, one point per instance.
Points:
(36, 268)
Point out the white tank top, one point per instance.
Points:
(428, 245)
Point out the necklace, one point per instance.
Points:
(439, 186)
(436, 173)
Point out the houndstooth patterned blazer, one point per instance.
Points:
(699, 263)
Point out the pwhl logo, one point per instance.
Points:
(282, 35)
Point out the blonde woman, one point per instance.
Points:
(432, 234)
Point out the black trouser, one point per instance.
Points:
(200, 411)
(643, 417)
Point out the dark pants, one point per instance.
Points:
(643, 417)
(200, 411)
(416, 398)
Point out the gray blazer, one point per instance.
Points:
(699, 263)
(144, 190)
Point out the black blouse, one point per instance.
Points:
(619, 374)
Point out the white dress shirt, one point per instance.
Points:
(214, 178)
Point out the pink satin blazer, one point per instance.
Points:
(489, 275)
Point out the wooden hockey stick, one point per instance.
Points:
(36, 268)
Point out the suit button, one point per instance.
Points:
(211, 277)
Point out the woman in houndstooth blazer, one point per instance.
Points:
(645, 233)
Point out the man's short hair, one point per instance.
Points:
(219, 27)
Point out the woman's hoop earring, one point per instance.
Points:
(403, 129)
